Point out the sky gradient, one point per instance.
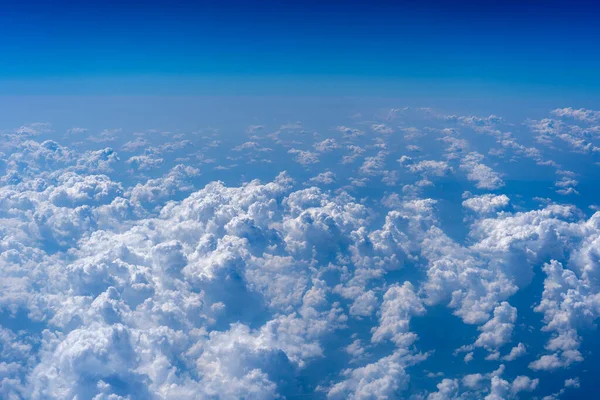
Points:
(541, 45)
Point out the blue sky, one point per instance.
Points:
(541, 44)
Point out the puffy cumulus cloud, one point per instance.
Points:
(475, 280)
(30, 158)
(568, 303)
(157, 191)
(495, 127)
(483, 176)
(498, 330)
(324, 178)
(427, 168)
(98, 161)
(566, 185)
(477, 122)
(326, 145)
(145, 162)
(321, 224)
(106, 135)
(16, 352)
(469, 357)
(133, 145)
(581, 114)
(572, 382)
(467, 282)
(487, 203)
(537, 233)
(516, 352)
(382, 379)
(575, 128)
(502, 389)
(34, 129)
(569, 300)
(305, 157)
(473, 381)
(355, 153)
(490, 386)
(247, 146)
(85, 362)
(447, 389)
(364, 305)
(400, 303)
(250, 147)
(374, 165)
(55, 210)
(350, 132)
(232, 364)
(382, 128)
(456, 146)
(73, 190)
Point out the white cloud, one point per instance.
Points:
(447, 389)
(355, 153)
(487, 203)
(159, 190)
(326, 145)
(572, 383)
(364, 305)
(350, 132)
(483, 176)
(581, 114)
(400, 304)
(516, 352)
(373, 165)
(305, 157)
(576, 137)
(567, 303)
(324, 178)
(498, 331)
(145, 162)
(381, 379)
(133, 145)
(468, 357)
(382, 128)
(427, 167)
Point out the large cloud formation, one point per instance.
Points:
(163, 288)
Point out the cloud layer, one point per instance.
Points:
(143, 275)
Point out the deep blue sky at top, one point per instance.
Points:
(46, 44)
